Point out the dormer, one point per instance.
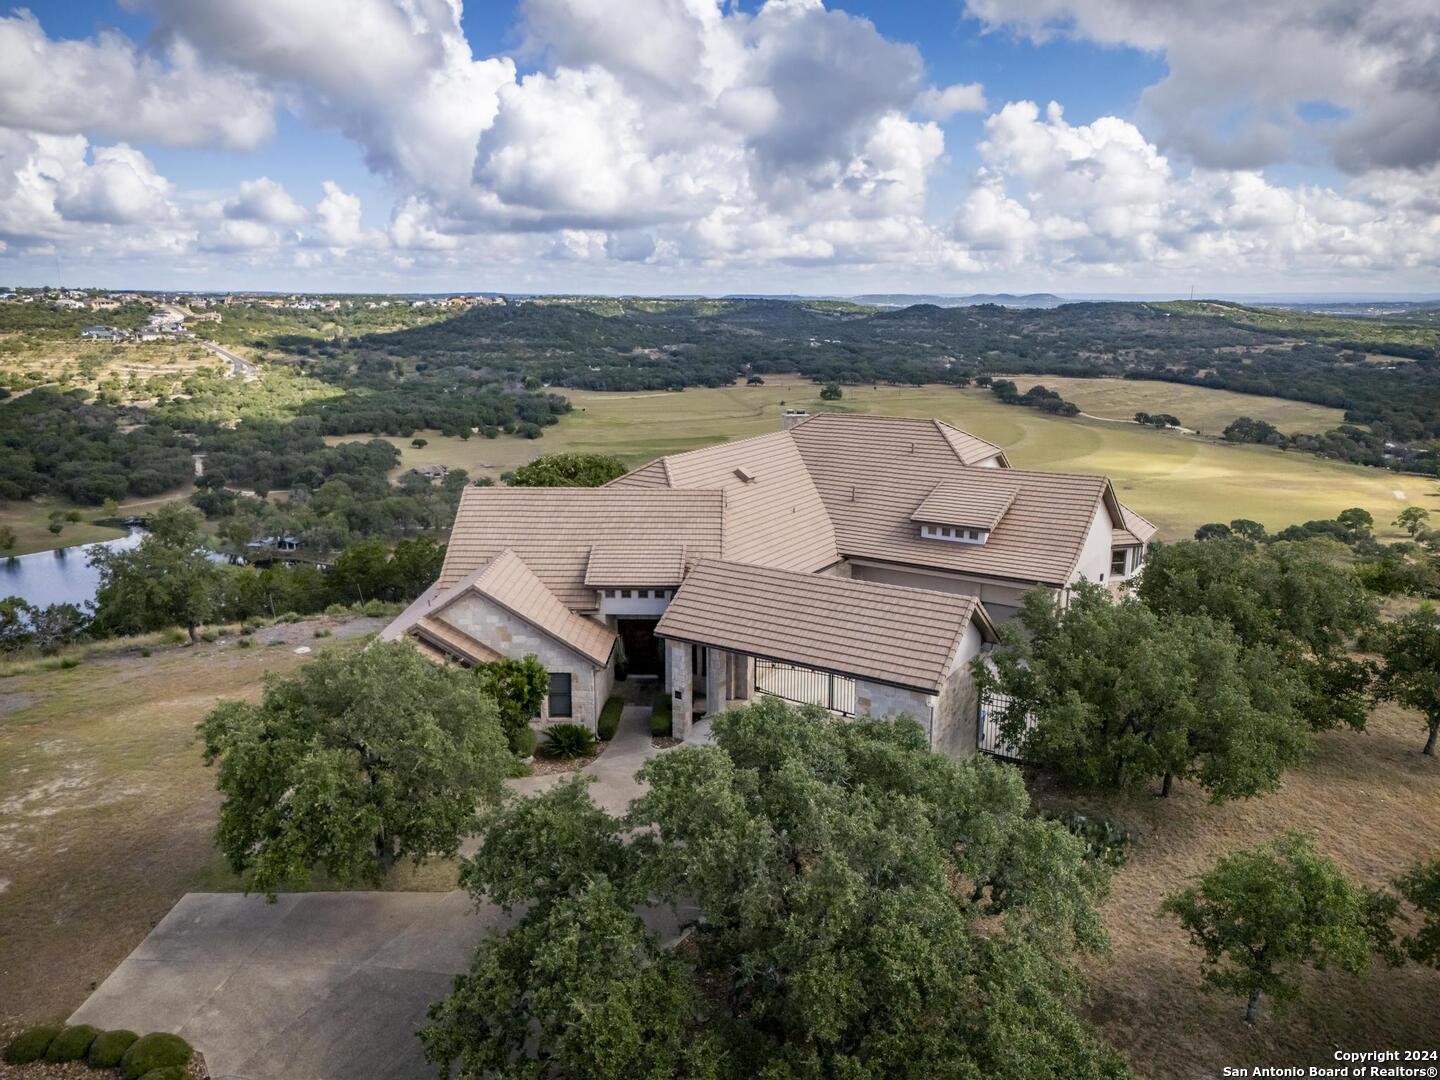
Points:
(634, 580)
(962, 512)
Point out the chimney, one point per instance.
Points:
(791, 417)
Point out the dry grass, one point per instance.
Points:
(106, 810)
(1372, 802)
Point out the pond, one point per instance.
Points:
(62, 576)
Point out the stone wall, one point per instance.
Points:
(879, 700)
(957, 707)
(512, 636)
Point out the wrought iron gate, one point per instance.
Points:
(987, 736)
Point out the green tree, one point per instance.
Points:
(57, 625)
(1249, 530)
(15, 632)
(568, 470)
(167, 580)
(1412, 519)
(1358, 521)
(518, 688)
(1212, 531)
(831, 392)
(361, 759)
(1421, 888)
(57, 522)
(1410, 666)
(1298, 599)
(866, 908)
(7, 538)
(1259, 914)
(1121, 697)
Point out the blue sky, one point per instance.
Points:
(1081, 146)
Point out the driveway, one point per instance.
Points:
(325, 985)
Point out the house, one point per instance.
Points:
(102, 333)
(855, 562)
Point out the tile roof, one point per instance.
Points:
(970, 449)
(873, 472)
(1135, 531)
(510, 583)
(958, 502)
(639, 564)
(436, 631)
(885, 633)
(553, 529)
(774, 516)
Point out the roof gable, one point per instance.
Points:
(884, 633)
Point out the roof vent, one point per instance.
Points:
(744, 474)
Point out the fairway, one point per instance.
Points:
(1201, 408)
(1178, 481)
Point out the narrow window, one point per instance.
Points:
(560, 694)
(1117, 562)
(643, 594)
(624, 594)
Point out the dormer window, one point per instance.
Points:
(958, 534)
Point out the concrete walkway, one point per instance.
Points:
(326, 985)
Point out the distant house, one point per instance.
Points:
(101, 304)
(102, 333)
(859, 563)
(431, 472)
(275, 543)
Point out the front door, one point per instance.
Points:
(642, 647)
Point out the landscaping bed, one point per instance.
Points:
(94, 1054)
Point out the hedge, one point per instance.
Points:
(31, 1044)
(72, 1043)
(660, 718)
(609, 720)
(154, 1051)
(109, 1047)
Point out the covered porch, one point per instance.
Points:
(734, 632)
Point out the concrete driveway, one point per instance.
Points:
(324, 985)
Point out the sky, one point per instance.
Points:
(694, 146)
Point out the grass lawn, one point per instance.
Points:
(1178, 481)
(106, 810)
(30, 519)
(1370, 801)
(1199, 407)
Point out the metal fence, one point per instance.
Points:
(987, 737)
(806, 686)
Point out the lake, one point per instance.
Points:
(62, 576)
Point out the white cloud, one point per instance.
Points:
(699, 141)
(265, 201)
(107, 86)
(957, 98)
(1241, 71)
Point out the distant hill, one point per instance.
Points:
(1014, 300)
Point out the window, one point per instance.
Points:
(1117, 562)
(625, 594)
(560, 694)
(643, 594)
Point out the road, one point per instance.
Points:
(239, 365)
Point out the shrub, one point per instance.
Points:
(568, 741)
(244, 643)
(289, 617)
(375, 608)
(109, 1047)
(1104, 839)
(209, 636)
(609, 720)
(154, 1051)
(335, 610)
(31, 1044)
(323, 632)
(69, 662)
(72, 1043)
(165, 1072)
(522, 741)
(660, 718)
